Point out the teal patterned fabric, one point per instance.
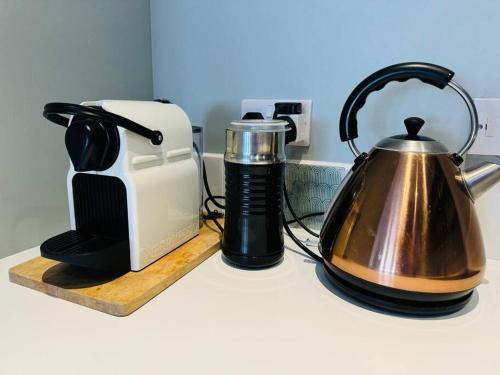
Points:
(310, 188)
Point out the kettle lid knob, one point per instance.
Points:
(413, 125)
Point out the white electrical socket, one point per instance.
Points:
(488, 138)
(302, 121)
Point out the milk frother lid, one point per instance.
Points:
(256, 142)
(259, 126)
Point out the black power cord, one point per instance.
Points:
(212, 215)
(306, 216)
(209, 192)
(295, 217)
(299, 243)
(291, 108)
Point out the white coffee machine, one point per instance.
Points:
(132, 185)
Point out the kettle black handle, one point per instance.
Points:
(429, 73)
(54, 111)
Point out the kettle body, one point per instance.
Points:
(404, 221)
(402, 232)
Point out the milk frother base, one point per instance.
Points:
(396, 300)
(253, 262)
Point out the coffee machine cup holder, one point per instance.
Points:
(98, 252)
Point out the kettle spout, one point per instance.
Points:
(480, 178)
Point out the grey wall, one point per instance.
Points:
(58, 50)
(207, 56)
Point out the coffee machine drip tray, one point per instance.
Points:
(89, 250)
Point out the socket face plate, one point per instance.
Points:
(266, 108)
(488, 138)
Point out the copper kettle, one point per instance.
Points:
(401, 232)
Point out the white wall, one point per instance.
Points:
(58, 50)
(208, 55)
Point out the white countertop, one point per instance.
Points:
(223, 320)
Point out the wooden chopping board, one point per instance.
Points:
(120, 295)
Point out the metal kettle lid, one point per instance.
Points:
(412, 142)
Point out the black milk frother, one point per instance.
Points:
(254, 171)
